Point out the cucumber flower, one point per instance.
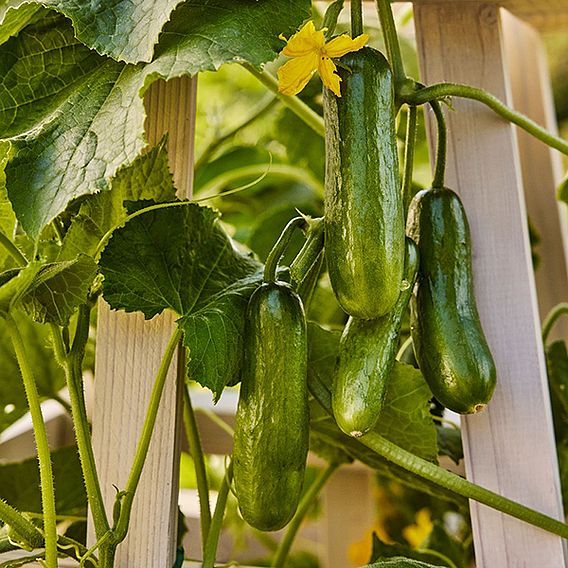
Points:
(311, 53)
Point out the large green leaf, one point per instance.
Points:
(71, 117)
(49, 375)
(14, 15)
(14, 284)
(180, 258)
(405, 418)
(20, 487)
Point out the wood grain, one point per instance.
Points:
(129, 351)
(509, 448)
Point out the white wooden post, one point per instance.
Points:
(129, 351)
(509, 448)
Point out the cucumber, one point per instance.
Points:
(367, 352)
(449, 342)
(400, 562)
(272, 421)
(364, 219)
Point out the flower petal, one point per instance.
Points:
(295, 74)
(328, 75)
(305, 41)
(344, 44)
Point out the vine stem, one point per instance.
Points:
(356, 18)
(42, 444)
(443, 90)
(13, 250)
(196, 450)
(217, 521)
(72, 364)
(297, 106)
(409, 147)
(391, 41)
(441, 145)
(307, 501)
(121, 528)
(551, 318)
(278, 249)
(453, 482)
(263, 107)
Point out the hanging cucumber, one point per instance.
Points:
(364, 220)
(366, 355)
(449, 343)
(272, 421)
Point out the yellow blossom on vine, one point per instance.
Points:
(311, 53)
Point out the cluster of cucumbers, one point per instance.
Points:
(378, 265)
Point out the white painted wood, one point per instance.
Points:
(541, 167)
(129, 351)
(510, 448)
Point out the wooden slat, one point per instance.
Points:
(509, 448)
(129, 351)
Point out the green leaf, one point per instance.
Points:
(58, 98)
(7, 217)
(405, 418)
(58, 289)
(442, 542)
(20, 487)
(147, 178)
(49, 378)
(449, 443)
(17, 284)
(180, 258)
(14, 15)
(393, 555)
(557, 366)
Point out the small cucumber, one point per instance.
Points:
(367, 352)
(449, 343)
(272, 421)
(364, 219)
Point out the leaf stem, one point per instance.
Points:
(356, 18)
(42, 444)
(217, 521)
(441, 146)
(330, 18)
(409, 147)
(442, 90)
(271, 264)
(296, 105)
(263, 107)
(391, 42)
(72, 363)
(196, 450)
(551, 318)
(24, 528)
(121, 528)
(307, 501)
(13, 250)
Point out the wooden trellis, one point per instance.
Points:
(510, 448)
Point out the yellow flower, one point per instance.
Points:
(311, 53)
(416, 534)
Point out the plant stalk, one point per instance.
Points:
(42, 444)
(441, 146)
(391, 41)
(409, 147)
(551, 318)
(356, 18)
(13, 250)
(274, 256)
(24, 528)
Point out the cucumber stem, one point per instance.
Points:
(278, 249)
(441, 146)
(409, 147)
(391, 42)
(551, 318)
(442, 90)
(13, 250)
(25, 529)
(356, 18)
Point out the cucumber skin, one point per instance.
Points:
(272, 421)
(364, 218)
(366, 355)
(449, 342)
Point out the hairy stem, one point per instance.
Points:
(391, 41)
(356, 18)
(24, 528)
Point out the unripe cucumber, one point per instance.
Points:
(367, 352)
(449, 343)
(272, 421)
(364, 219)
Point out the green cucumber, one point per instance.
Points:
(449, 343)
(400, 562)
(364, 219)
(367, 351)
(272, 421)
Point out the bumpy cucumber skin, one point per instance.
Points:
(272, 421)
(449, 343)
(364, 219)
(400, 562)
(366, 355)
